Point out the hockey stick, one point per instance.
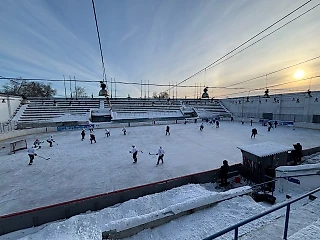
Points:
(152, 153)
(43, 157)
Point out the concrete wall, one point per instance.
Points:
(39, 216)
(307, 125)
(284, 107)
(8, 105)
(299, 181)
(18, 133)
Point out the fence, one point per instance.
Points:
(7, 126)
(279, 117)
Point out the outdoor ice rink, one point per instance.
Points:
(79, 169)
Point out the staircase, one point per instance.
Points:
(310, 232)
(302, 219)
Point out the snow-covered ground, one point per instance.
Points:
(198, 225)
(79, 169)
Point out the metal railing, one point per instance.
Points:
(235, 227)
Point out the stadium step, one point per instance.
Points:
(310, 232)
(300, 217)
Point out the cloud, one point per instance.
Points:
(162, 43)
(129, 34)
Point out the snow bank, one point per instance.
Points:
(90, 226)
(299, 168)
(189, 204)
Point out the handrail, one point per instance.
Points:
(286, 204)
(274, 179)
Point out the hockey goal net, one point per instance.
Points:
(18, 145)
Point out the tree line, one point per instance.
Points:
(20, 87)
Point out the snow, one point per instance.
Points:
(117, 115)
(265, 148)
(196, 226)
(79, 169)
(196, 202)
(310, 232)
(299, 167)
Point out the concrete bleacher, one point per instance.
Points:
(61, 109)
(208, 108)
(49, 110)
(144, 108)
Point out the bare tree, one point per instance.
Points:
(80, 92)
(23, 88)
(154, 95)
(164, 95)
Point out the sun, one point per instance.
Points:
(298, 74)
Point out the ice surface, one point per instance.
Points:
(79, 169)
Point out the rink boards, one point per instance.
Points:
(36, 217)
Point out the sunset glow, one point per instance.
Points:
(298, 74)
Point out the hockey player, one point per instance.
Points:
(83, 133)
(92, 138)
(31, 154)
(201, 127)
(134, 152)
(254, 132)
(107, 132)
(50, 140)
(161, 155)
(91, 128)
(167, 130)
(37, 144)
(217, 124)
(124, 130)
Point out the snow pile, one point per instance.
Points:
(189, 204)
(306, 167)
(311, 159)
(308, 233)
(194, 226)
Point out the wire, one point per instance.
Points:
(271, 86)
(98, 81)
(245, 42)
(264, 37)
(163, 85)
(98, 33)
(311, 59)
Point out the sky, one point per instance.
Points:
(163, 42)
